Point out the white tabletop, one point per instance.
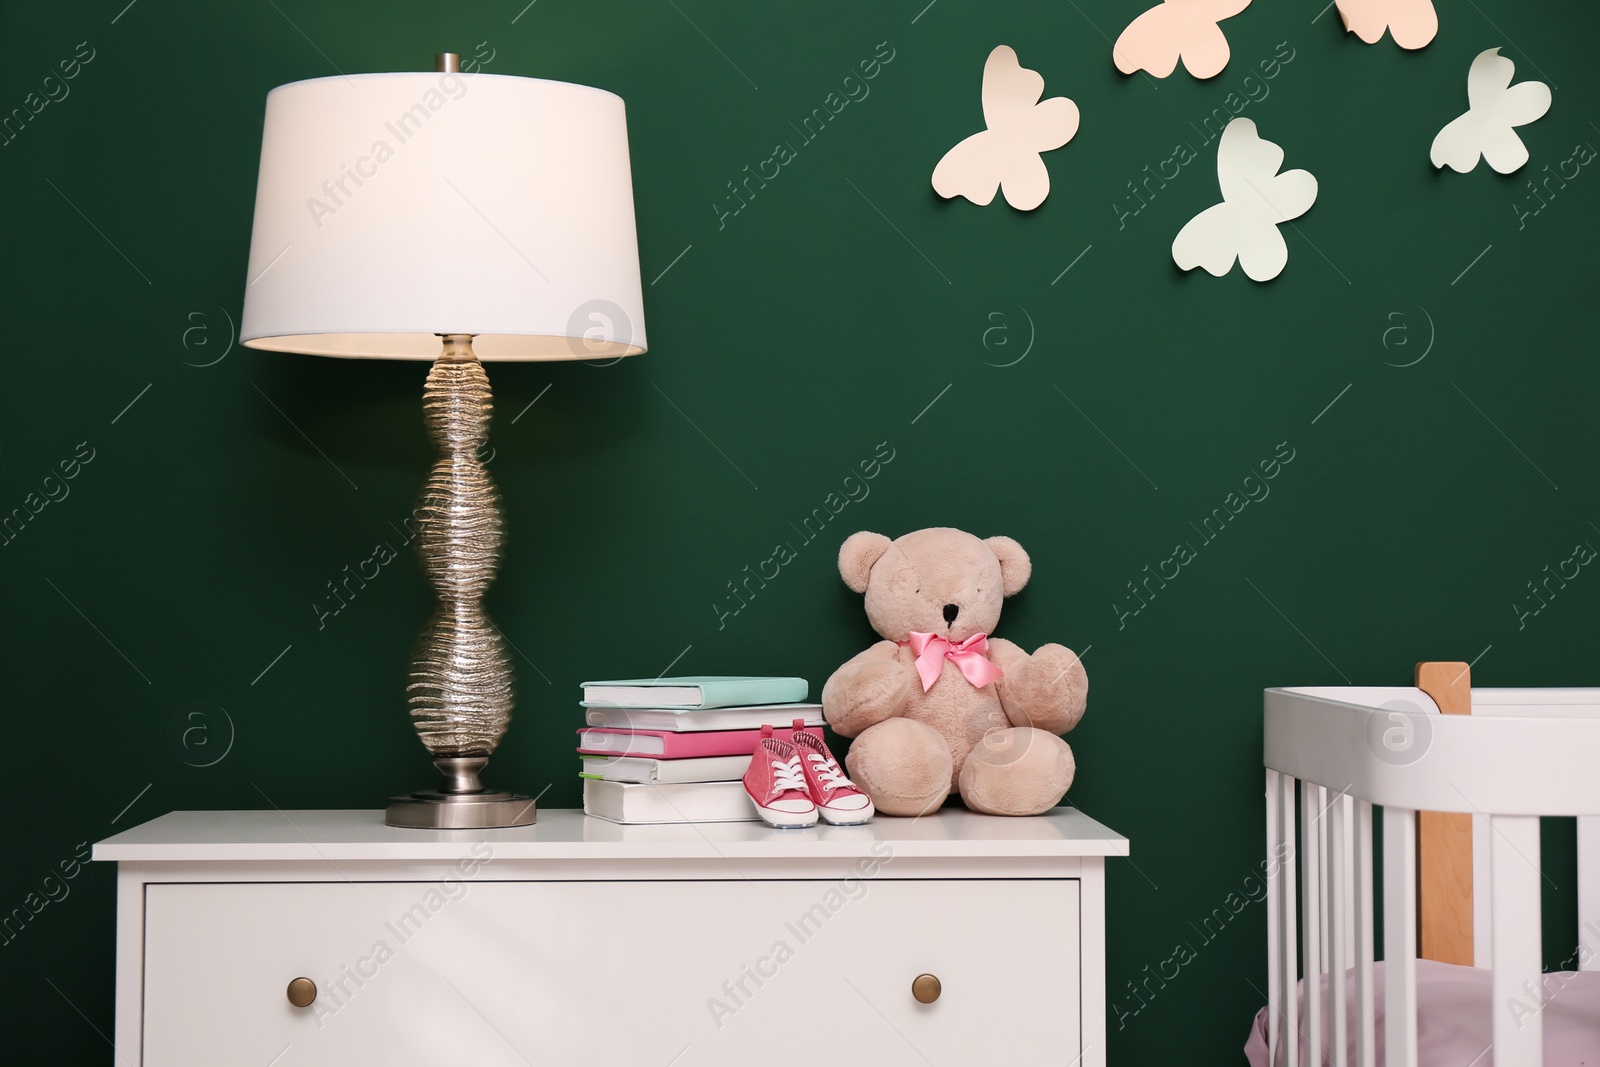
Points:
(568, 834)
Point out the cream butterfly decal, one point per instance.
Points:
(1495, 108)
(1155, 40)
(1255, 199)
(1412, 23)
(1006, 155)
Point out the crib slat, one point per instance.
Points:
(1515, 898)
(1291, 902)
(1400, 937)
(1349, 803)
(1482, 925)
(1274, 936)
(1323, 800)
(1311, 853)
(1589, 886)
(1366, 1042)
(1338, 1026)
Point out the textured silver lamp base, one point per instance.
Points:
(461, 803)
(460, 688)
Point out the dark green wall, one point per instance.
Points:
(796, 336)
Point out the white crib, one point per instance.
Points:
(1519, 754)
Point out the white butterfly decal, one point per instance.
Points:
(1020, 127)
(1255, 199)
(1495, 107)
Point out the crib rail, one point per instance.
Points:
(1334, 754)
(1486, 762)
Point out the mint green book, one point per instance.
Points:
(691, 692)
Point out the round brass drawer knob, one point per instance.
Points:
(302, 991)
(926, 988)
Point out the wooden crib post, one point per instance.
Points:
(1444, 845)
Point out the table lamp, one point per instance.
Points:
(463, 219)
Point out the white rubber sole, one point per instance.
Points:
(787, 820)
(847, 818)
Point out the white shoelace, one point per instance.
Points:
(788, 775)
(828, 773)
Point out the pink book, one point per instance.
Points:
(668, 744)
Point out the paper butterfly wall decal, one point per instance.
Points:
(1255, 198)
(1495, 106)
(1412, 23)
(1188, 28)
(1020, 127)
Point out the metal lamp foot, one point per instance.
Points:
(461, 802)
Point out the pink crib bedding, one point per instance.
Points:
(1455, 1024)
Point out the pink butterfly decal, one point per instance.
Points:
(1007, 154)
(1156, 40)
(1412, 23)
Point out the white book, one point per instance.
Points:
(680, 720)
(665, 771)
(628, 802)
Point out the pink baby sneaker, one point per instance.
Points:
(837, 799)
(777, 784)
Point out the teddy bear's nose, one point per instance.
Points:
(950, 613)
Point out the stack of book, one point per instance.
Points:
(674, 750)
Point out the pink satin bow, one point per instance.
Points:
(969, 657)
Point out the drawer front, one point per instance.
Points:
(691, 974)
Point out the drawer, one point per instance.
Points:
(680, 973)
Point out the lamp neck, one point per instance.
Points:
(457, 347)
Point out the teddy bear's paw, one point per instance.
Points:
(865, 693)
(903, 765)
(1050, 691)
(1017, 771)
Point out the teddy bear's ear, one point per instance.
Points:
(857, 555)
(1015, 566)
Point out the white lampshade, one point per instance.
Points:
(392, 208)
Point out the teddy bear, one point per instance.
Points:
(938, 706)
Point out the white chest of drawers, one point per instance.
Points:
(580, 941)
